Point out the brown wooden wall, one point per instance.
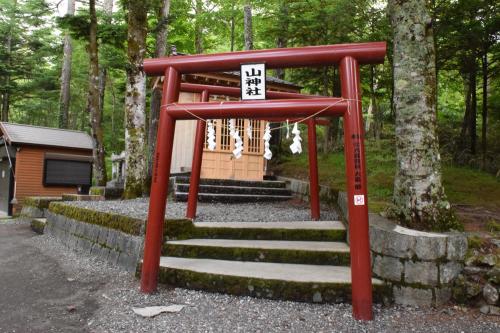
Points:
(29, 172)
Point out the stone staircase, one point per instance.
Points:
(227, 190)
(300, 261)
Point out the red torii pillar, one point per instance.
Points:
(348, 56)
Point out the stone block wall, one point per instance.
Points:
(301, 190)
(419, 266)
(109, 237)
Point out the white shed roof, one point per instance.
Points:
(45, 136)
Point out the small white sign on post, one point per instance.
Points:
(253, 82)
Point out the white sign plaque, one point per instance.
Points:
(253, 82)
(359, 200)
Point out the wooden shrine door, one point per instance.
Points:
(221, 163)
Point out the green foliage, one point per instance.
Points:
(493, 226)
(475, 242)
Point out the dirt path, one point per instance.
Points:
(476, 218)
(35, 294)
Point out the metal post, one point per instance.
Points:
(313, 169)
(159, 186)
(356, 191)
(194, 181)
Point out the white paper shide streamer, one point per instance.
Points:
(238, 142)
(268, 154)
(296, 146)
(249, 131)
(287, 130)
(210, 135)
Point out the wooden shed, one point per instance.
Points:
(41, 161)
(220, 163)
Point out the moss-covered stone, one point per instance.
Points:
(126, 224)
(38, 225)
(40, 202)
(178, 229)
(263, 288)
(258, 255)
(185, 229)
(270, 234)
(81, 197)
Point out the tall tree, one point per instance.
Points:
(103, 71)
(65, 95)
(94, 105)
(154, 114)
(8, 61)
(419, 197)
(135, 99)
(248, 32)
(198, 26)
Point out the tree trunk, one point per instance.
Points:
(65, 94)
(103, 72)
(135, 100)
(376, 112)
(248, 32)
(473, 110)
(154, 114)
(282, 40)
(419, 198)
(233, 25)
(7, 81)
(198, 28)
(462, 140)
(332, 130)
(484, 144)
(93, 102)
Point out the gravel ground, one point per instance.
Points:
(116, 292)
(215, 212)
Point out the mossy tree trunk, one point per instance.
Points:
(154, 114)
(419, 198)
(93, 104)
(135, 100)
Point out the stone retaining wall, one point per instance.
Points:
(113, 238)
(301, 190)
(420, 267)
(35, 207)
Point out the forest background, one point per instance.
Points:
(33, 36)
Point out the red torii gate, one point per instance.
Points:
(348, 57)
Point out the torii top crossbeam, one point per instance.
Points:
(364, 53)
(348, 57)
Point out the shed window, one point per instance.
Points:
(67, 171)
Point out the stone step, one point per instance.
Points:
(296, 282)
(38, 225)
(296, 252)
(232, 182)
(222, 197)
(225, 189)
(302, 231)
